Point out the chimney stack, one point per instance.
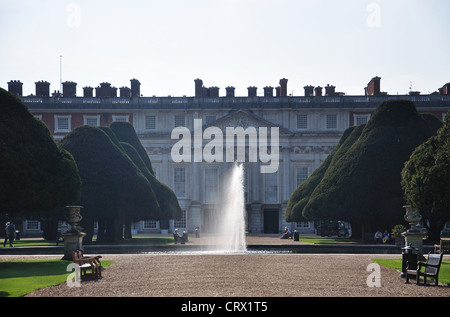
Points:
(198, 88)
(229, 91)
(42, 89)
(213, 92)
(69, 89)
(135, 88)
(268, 91)
(318, 91)
(88, 92)
(373, 87)
(309, 91)
(252, 91)
(283, 87)
(277, 91)
(330, 90)
(15, 87)
(125, 92)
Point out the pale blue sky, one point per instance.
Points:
(167, 44)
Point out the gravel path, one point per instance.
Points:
(241, 275)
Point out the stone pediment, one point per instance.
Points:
(244, 119)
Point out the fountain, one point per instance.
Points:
(230, 235)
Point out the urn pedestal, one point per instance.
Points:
(73, 238)
(414, 236)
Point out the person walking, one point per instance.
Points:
(10, 232)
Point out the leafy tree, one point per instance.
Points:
(170, 208)
(426, 180)
(36, 177)
(114, 190)
(362, 184)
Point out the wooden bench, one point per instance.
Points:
(432, 267)
(88, 262)
(443, 247)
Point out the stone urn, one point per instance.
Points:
(73, 217)
(412, 216)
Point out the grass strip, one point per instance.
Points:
(18, 278)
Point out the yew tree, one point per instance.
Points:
(37, 179)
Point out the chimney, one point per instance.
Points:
(103, 91)
(69, 89)
(309, 91)
(88, 92)
(214, 92)
(42, 89)
(113, 92)
(446, 89)
(15, 87)
(283, 87)
(229, 91)
(318, 91)
(135, 88)
(198, 88)
(268, 91)
(125, 92)
(252, 91)
(373, 87)
(330, 90)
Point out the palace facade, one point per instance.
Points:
(309, 127)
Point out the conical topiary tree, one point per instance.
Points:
(170, 208)
(301, 195)
(114, 190)
(36, 177)
(362, 185)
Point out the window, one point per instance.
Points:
(149, 224)
(331, 122)
(359, 119)
(211, 185)
(301, 174)
(63, 123)
(120, 118)
(303, 224)
(182, 222)
(150, 122)
(32, 225)
(93, 121)
(210, 119)
(180, 121)
(302, 121)
(180, 181)
(271, 187)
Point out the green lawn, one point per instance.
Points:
(18, 278)
(396, 264)
(134, 241)
(318, 239)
